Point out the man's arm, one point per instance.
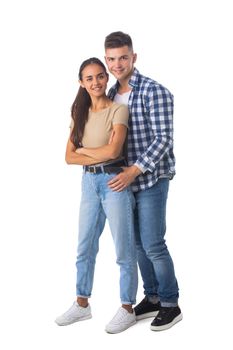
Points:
(160, 107)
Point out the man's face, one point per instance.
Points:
(120, 62)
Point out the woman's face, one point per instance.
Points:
(94, 80)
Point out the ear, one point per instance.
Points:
(134, 57)
(107, 77)
(81, 83)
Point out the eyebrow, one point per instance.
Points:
(90, 76)
(114, 57)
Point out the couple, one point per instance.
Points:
(132, 198)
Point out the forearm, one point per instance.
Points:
(80, 159)
(103, 153)
(112, 150)
(148, 160)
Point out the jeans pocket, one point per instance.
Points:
(109, 177)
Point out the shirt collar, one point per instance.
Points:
(132, 82)
(134, 78)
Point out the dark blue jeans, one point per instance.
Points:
(154, 260)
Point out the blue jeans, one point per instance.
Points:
(99, 202)
(154, 260)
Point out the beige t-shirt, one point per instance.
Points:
(99, 125)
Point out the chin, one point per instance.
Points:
(119, 76)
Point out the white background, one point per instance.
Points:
(186, 46)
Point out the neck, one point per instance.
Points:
(124, 84)
(124, 88)
(97, 104)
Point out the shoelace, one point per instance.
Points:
(162, 313)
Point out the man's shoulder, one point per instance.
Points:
(150, 84)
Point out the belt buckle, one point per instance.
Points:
(93, 169)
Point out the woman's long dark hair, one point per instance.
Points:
(81, 105)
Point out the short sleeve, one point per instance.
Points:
(121, 115)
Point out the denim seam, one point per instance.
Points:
(130, 237)
(92, 242)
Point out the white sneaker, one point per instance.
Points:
(121, 321)
(74, 314)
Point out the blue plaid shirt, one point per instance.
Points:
(150, 135)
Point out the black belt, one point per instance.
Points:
(108, 168)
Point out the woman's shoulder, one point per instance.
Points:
(119, 106)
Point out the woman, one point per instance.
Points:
(94, 119)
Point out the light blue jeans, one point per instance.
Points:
(99, 202)
(154, 260)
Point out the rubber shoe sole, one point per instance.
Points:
(73, 321)
(109, 331)
(147, 315)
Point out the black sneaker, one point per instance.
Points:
(146, 309)
(166, 318)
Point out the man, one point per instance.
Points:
(150, 167)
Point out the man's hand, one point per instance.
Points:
(124, 179)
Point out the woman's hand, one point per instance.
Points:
(79, 150)
(74, 157)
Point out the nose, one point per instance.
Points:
(95, 81)
(118, 63)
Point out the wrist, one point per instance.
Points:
(135, 170)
